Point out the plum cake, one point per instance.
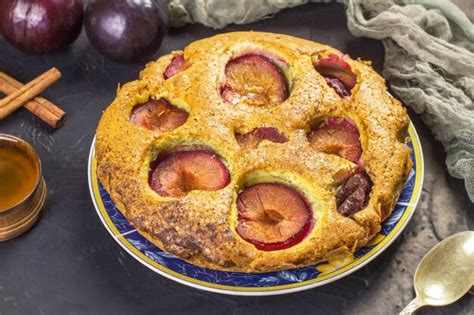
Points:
(255, 152)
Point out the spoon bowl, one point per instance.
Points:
(445, 274)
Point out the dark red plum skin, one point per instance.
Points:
(40, 25)
(127, 30)
(253, 138)
(354, 194)
(177, 158)
(177, 64)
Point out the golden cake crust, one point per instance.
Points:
(200, 227)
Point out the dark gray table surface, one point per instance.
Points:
(69, 264)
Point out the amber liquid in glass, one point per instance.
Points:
(18, 174)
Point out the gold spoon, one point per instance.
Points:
(445, 274)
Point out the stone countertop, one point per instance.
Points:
(69, 264)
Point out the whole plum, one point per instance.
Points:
(127, 30)
(40, 25)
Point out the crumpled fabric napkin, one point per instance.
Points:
(429, 61)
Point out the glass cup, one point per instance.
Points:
(22, 187)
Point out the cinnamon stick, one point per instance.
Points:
(29, 91)
(39, 106)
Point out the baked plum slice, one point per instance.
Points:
(337, 136)
(176, 173)
(177, 64)
(158, 115)
(254, 79)
(252, 139)
(273, 216)
(353, 195)
(338, 74)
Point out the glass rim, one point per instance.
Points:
(35, 156)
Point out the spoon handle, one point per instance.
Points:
(412, 307)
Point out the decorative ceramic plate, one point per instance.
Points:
(278, 282)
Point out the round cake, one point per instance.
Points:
(255, 152)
